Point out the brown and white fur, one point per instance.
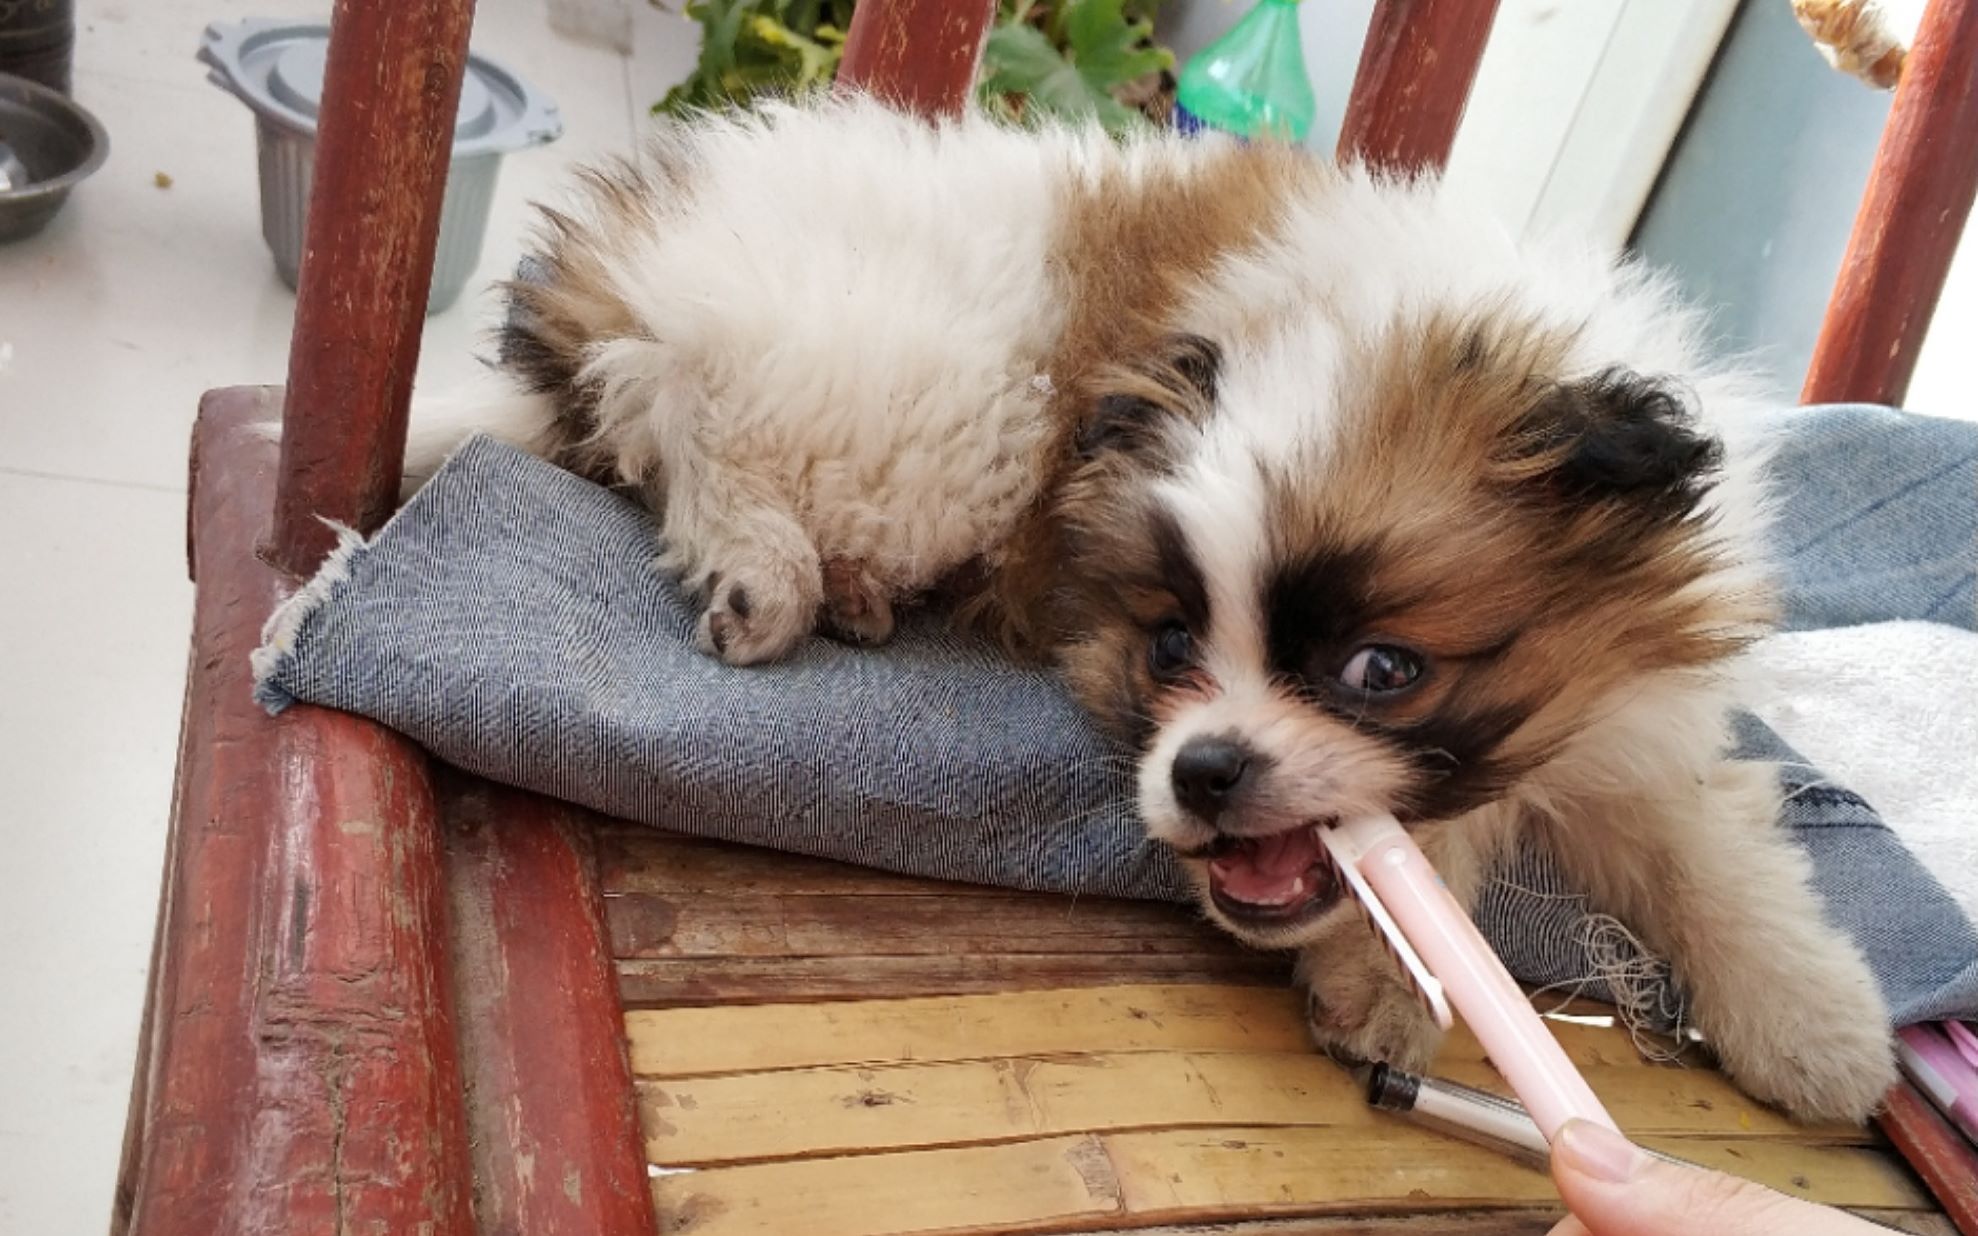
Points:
(1325, 493)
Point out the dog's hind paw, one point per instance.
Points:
(856, 608)
(750, 618)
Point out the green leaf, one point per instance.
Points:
(815, 61)
(723, 19)
(1069, 58)
(1108, 50)
(1020, 61)
(752, 47)
(1102, 52)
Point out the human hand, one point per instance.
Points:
(1613, 1188)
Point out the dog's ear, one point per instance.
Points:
(1196, 364)
(1175, 379)
(1618, 437)
(1119, 423)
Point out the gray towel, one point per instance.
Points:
(510, 620)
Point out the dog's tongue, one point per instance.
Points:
(1266, 871)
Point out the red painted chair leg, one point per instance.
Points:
(918, 55)
(1906, 232)
(1414, 79)
(557, 1148)
(300, 1069)
(1946, 1162)
(384, 139)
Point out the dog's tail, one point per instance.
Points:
(492, 404)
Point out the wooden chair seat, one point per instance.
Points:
(652, 1032)
(390, 998)
(840, 1052)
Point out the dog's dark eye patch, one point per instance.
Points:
(1314, 606)
(1180, 574)
(1318, 610)
(1454, 753)
(1131, 719)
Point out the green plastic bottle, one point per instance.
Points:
(1252, 81)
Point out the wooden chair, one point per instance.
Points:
(389, 998)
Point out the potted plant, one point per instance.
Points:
(1064, 58)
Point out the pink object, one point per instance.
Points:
(1964, 1039)
(1409, 905)
(1935, 1062)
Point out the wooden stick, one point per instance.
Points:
(300, 1069)
(1947, 1163)
(1143, 1178)
(1416, 69)
(1906, 232)
(390, 91)
(918, 55)
(556, 1139)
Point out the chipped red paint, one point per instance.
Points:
(1945, 1162)
(299, 1072)
(390, 90)
(919, 55)
(557, 1149)
(1919, 194)
(1414, 79)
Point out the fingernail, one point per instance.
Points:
(1598, 1151)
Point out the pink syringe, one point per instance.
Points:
(1444, 955)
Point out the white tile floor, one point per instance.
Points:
(112, 322)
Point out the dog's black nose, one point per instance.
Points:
(1206, 773)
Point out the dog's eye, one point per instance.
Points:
(1172, 652)
(1380, 669)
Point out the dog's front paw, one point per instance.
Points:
(1831, 1059)
(1806, 1030)
(1357, 1012)
(752, 618)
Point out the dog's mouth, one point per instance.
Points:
(1271, 881)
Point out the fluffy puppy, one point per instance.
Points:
(1323, 492)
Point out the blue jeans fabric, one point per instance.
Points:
(1878, 517)
(510, 620)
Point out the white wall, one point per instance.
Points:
(1946, 382)
(1574, 106)
(1577, 105)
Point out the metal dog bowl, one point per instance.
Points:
(48, 145)
(276, 68)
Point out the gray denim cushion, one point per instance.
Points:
(510, 620)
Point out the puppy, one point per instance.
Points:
(1323, 492)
